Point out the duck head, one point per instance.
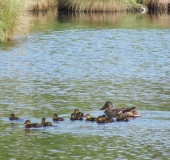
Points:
(76, 111)
(27, 122)
(73, 116)
(43, 120)
(107, 106)
(99, 119)
(88, 116)
(55, 116)
(12, 115)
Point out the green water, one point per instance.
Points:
(80, 61)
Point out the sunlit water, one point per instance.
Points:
(81, 61)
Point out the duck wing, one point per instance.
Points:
(128, 109)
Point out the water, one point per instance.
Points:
(80, 61)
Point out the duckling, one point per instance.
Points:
(56, 118)
(44, 123)
(109, 119)
(78, 113)
(28, 124)
(104, 119)
(121, 117)
(78, 117)
(73, 117)
(99, 119)
(12, 117)
(89, 118)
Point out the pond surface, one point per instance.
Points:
(80, 61)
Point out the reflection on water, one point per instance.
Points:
(80, 61)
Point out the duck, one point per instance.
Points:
(110, 120)
(99, 119)
(12, 117)
(78, 113)
(107, 119)
(44, 123)
(111, 112)
(28, 124)
(89, 118)
(56, 118)
(73, 117)
(121, 117)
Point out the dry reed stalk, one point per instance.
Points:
(22, 26)
(96, 5)
(41, 5)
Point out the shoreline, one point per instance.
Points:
(15, 19)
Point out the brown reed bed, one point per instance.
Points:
(157, 5)
(98, 5)
(41, 5)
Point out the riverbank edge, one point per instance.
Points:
(8, 34)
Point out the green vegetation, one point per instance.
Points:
(13, 19)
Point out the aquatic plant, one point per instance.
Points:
(41, 5)
(98, 5)
(13, 19)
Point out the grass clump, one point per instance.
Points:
(13, 20)
(41, 5)
(98, 5)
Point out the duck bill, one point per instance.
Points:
(103, 108)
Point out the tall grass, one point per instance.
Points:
(41, 5)
(98, 5)
(13, 19)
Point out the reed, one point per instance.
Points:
(13, 19)
(98, 5)
(41, 5)
(157, 5)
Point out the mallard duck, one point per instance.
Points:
(56, 118)
(89, 118)
(28, 124)
(12, 117)
(111, 112)
(44, 123)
